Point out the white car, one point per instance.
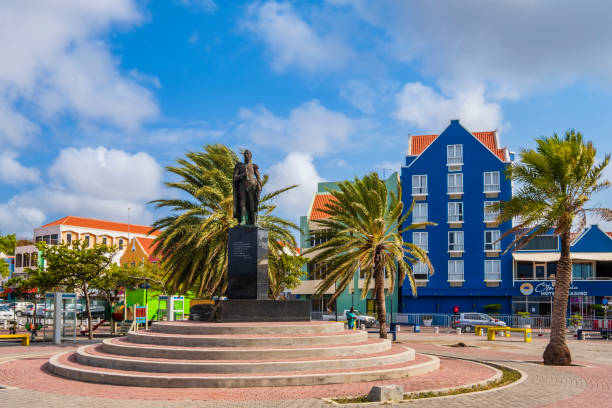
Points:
(6, 313)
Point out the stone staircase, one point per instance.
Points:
(198, 354)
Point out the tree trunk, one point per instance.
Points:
(88, 310)
(379, 287)
(557, 352)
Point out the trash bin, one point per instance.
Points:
(436, 330)
(417, 328)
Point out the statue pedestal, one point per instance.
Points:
(247, 285)
(247, 263)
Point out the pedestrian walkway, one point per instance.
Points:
(588, 384)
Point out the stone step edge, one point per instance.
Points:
(185, 328)
(211, 341)
(404, 354)
(136, 349)
(137, 380)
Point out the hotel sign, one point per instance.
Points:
(547, 289)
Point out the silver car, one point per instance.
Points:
(467, 321)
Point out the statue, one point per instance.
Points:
(247, 188)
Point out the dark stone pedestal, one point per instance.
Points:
(247, 263)
(247, 310)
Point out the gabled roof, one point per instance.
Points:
(418, 143)
(148, 245)
(318, 204)
(103, 225)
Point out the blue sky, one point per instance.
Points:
(96, 98)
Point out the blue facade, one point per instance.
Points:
(534, 272)
(446, 288)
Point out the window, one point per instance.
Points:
(454, 154)
(524, 270)
(318, 240)
(492, 242)
(18, 261)
(54, 239)
(87, 240)
(491, 182)
(419, 213)
(455, 240)
(419, 184)
(26, 260)
(582, 271)
(120, 244)
(455, 183)
(34, 259)
(69, 238)
(455, 270)
(455, 212)
(420, 239)
(492, 270)
(420, 271)
(490, 215)
(542, 242)
(316, 271)
(104, 240)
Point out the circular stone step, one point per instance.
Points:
(189, 327)
(121, 347)
(65, 365)
(93, 355)
(264, 340)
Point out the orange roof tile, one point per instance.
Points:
(320, 203)
(147, 244)
(419, 143)
(103, 225)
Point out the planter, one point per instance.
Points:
(427, 322)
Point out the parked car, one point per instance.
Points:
(467, 321)
(6, 313)
(366, 320)
(96, 311)
(40, 310)
(21, 308)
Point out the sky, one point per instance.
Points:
(98, 97)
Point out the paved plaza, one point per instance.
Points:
(588, 383)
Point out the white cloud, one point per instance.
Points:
(515, 47)
(88, 182)
(205, 6)
(292, 42)
(296, 168)
(310, 128)
(15, 129)
(20, 220)
(424, 108)
(12, 172)
(54, 58)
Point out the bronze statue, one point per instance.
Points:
(247, 188)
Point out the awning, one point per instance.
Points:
(554, 256)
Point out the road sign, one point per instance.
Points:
(605, 301)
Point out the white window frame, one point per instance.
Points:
(456, 270)
(418, 238)
(491, 187)
(452, 158)
(420, 268)
(418, 216)
(455, 188)
(494, 243)
(456, 245)
(417, 184)
(490, 216)
(492, 270)
(455, 216)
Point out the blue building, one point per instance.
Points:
(535, 267)
(453, 178)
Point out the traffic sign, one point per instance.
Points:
(605, 301)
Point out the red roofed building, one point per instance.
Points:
(418, 143)
(140, 251)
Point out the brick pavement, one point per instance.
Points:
(548, 387)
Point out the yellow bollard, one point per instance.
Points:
(490, 334)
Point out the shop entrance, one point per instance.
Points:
(583, 306)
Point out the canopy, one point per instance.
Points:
(554, 256)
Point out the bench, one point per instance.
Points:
(478, 328)
(25, 338)
(391, 332)
(604, 333)
(507, 330)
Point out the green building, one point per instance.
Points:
(352, 295)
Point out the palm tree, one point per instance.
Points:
(193, 239)
(364, 233)
(555, 182)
